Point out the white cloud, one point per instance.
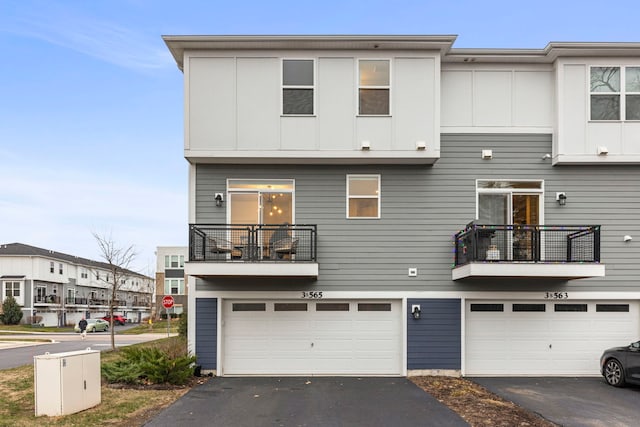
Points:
(101, 39)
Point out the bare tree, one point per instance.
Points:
(119, 260)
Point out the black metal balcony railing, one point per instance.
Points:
(528, 243)
(252, 243)
(46, 299)
(76, 300)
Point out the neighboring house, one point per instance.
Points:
(61, 289)
(170, 278)
(445, 210)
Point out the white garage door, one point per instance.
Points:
(312, 337)
(561, 338)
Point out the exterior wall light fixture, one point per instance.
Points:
(219, 199)
(415, 311)
(561, 198)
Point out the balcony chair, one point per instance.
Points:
(282, 247)
(219, 246)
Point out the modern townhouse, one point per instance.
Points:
(170, 279)
(57, 289)
(391, 205)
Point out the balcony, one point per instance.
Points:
(46, 300)
(76, 301)
(534, 251)
(257, 250)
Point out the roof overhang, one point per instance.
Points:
(179, 44)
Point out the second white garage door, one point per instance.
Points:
(562, 338)
(311, 337)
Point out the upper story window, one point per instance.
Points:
(60, 270)
(297, 86)
(84, 274)
(615, 93)
(374, 87)
(363, 196)
(174, 261)
(52, 267)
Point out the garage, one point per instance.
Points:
(559, 337)
(311, 337)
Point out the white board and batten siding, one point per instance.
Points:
(276, 338)
(550, 342)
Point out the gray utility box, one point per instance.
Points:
(66, 383)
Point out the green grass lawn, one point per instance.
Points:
(118, 407)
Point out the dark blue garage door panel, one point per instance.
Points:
(433, 341)
(207, 332)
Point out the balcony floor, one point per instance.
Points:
(252, 269)
(567, 271)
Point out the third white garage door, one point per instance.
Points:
(311, 337)
(561, 338)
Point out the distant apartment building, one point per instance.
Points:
(170, 279)
(58, 289)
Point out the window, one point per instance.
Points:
(615, 93)
(13, 289)
(529, 307)
(52, 267)
(374, 87)
(363, 196)
(97, 275)
(487, 307)
(374, 307)
(297, 86)
(258, 201)
(60, 268)
(174, 261)
(570, 307)
(174, 286)
(612, 308)
(249, 306)
(284, 306)
(332, 306)
(84, 274)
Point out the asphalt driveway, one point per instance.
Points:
(571, 401)
(314, 401)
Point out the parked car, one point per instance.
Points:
(94, 325)
(621, 365)
(116, 319)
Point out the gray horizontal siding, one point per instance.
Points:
(424, 206)
(206, 332)
(433, 341)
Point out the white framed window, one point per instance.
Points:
(174, 286)
(84, 274)
(614, 93)
(298, 87)
(174, 261)
(52, 267)
(374, 87)
(60, 268)
(363, 196)
(14, 289)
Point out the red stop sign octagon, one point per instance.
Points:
(167, 301)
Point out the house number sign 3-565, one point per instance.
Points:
(556, 295)
(312, 295)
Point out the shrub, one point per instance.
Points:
(182, 325)
(144, 365)
(11, 311)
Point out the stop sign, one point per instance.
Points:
(167, 301)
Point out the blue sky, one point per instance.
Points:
(91, 119)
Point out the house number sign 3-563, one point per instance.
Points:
(556, 295)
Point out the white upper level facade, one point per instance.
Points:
(387, 99)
